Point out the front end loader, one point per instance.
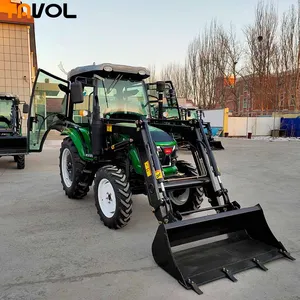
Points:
(188, 113)
(112, 142)
(169, 109)
(12, 142)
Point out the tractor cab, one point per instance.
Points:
(12, 143)
(120, 94)
(10, 115)
(168, 105)
(108, 91)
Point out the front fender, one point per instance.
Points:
(135, 160)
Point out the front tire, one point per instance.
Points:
(186, 199)
(113, 197)
(20, 159)
(74, 178)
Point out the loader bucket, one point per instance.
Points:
(216, 145)
(13, 145)
(249, 243)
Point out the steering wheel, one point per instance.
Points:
(4, 119)
(60, 117)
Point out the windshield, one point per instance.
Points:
(168, 112)
(194, 114)
(5, 113)
(122, 96)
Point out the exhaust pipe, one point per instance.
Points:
(249, 243)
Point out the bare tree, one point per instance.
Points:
(203, 68)
(267, 68)
(177, 74)
(261, 40)
(289, 48)
(228, 53)
(192, 71)
(152, 69)
(62, 69)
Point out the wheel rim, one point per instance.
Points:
(107, 198)
(67, 167)
(179, 197)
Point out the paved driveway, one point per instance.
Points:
(52, 247)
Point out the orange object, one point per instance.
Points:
(14, 11)
(230, 80)
(83, 113)
(10, 8)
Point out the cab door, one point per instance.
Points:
(48, 108)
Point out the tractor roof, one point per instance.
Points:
(8, 96)
(108, 70)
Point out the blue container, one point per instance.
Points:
(291, 126)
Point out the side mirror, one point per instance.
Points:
(160, 86)
(64, 88)
(77, 92)
(25, 108)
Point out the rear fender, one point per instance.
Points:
(81, 140)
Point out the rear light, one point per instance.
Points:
(168, 150)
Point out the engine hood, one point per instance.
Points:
(160, 137)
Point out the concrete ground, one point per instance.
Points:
(55, 248)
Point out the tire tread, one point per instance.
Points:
(83, 176)
(123, 194)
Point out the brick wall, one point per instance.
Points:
(15, 65)
(15, 62)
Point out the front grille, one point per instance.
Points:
(166, 159)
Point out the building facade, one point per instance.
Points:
(18, 59)
(255, 96)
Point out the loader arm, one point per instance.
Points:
(156, 185)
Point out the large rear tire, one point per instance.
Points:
(186, 199)
(113, 197)
(74, 176)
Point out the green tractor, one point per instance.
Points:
(12, 143)
(188, 113)
(169, 109)
(112, 142)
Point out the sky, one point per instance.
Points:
(133, 32)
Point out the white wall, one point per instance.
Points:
(259, 126)
(215, 117)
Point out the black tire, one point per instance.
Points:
(20, 161)
(195, 197)
(122, 193)
(80, 177)
(15, 158)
